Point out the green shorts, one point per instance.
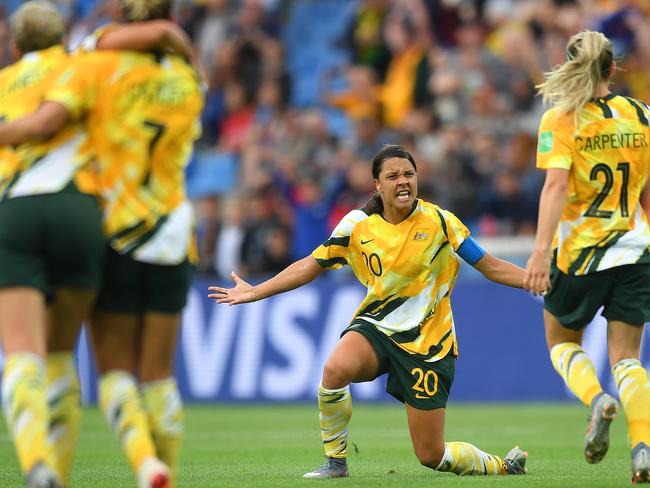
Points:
(421, 384)
(51, 241)
(623, 291)
(134, 287)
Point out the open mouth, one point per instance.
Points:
(403, 195)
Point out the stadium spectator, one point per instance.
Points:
(593, 145)
(364, 36)
(402, 249)
(51, 256)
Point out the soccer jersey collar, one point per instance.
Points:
(413, 207)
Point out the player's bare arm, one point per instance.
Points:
(145, 36)
(299, 273)
(500, 271)
(45, 122)
(551, 203)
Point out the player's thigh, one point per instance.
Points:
(627, 310)
(115, 337)
(572, 302)
(165, 289)
(22, 320)
(556, 333)
(158, 345)
(67, 310)
(353, 360)
(427, 429)
(623, 341)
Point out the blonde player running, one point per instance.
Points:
(403, 249)
(141, 111)
(51, 251)
(594, 148)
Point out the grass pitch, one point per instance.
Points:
(260, 446)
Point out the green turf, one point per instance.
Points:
(264, 446)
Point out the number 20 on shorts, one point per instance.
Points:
(423, 382)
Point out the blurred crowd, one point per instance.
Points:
(302, 93)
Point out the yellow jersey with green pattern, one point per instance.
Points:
(409, 270)
(608, 159)
(142, 115)
(45, 166)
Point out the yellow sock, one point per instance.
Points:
(577, 371)
(634, 391)
(64, 400)
(335, 411)
(465, 459)
(25, 409)
(164, 408)
(119, 400)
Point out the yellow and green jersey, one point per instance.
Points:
(608, 158)
(141, 112)
(409, 270)
(45, 166)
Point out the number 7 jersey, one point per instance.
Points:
(142, 115)
(608, 158)
(409, 270)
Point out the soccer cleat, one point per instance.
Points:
(641, 463)
(603, 410)
(41, 476)
(153, 474)
(516, 461)
(332, 468)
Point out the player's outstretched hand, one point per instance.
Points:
(243, 292)
(538, 270)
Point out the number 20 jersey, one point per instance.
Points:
(141, 113)
(608, 158)
(409, 270)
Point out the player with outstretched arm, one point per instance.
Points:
(403, 250)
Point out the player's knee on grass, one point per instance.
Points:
(430, 456)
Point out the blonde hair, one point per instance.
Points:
(141, 10)
(36, 25)
(589, 61)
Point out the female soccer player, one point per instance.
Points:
(51, 252)
(594, 148)
(402, 249)
(141, 112)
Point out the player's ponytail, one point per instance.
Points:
(589, 61)
(143, 10)
(36, 25)
(389, 151)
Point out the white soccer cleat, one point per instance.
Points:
(332, 468)
(641, 463)
(154, 474)
(42, 476)
(603, 411)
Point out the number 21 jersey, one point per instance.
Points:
(608, 159)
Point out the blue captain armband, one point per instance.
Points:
(470, 251)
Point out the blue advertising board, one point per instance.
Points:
(274, 350)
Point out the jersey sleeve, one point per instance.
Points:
(75, 88)
(554, 142)
(333, 253)
(453, 228)
(89, 43)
